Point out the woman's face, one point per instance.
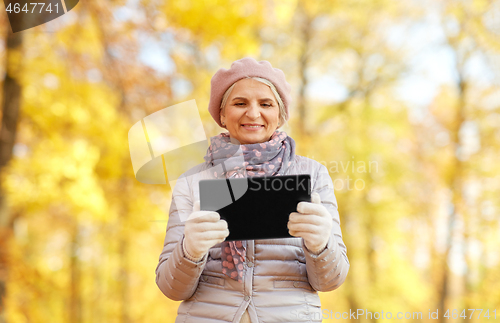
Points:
(251, 114)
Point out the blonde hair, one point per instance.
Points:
(281, 105)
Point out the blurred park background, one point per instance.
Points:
(410, 88)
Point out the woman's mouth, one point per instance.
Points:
(252, 127)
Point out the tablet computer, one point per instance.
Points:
(255, 207)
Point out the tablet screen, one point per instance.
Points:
(255, 207)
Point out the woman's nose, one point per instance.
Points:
(253, 111)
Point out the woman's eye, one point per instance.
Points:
(266, 105)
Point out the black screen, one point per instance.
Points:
(255, 207)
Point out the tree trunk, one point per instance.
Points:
(10, 115)
(456, 186)
(305, 32)
(75, 303)
(124, 251)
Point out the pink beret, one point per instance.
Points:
(240, 69)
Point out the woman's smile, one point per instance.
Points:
(252, 127)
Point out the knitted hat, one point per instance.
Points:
(240, 69)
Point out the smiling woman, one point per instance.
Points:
(253, 280)
(251, 113)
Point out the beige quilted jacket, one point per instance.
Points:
(281, 277)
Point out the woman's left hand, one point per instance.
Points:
(313, 223)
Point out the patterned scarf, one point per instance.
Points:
(270, 158)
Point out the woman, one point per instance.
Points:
(274, 280)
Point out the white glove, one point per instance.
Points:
(203, 230)
(313, 223)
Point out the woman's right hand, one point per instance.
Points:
(203, 230)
